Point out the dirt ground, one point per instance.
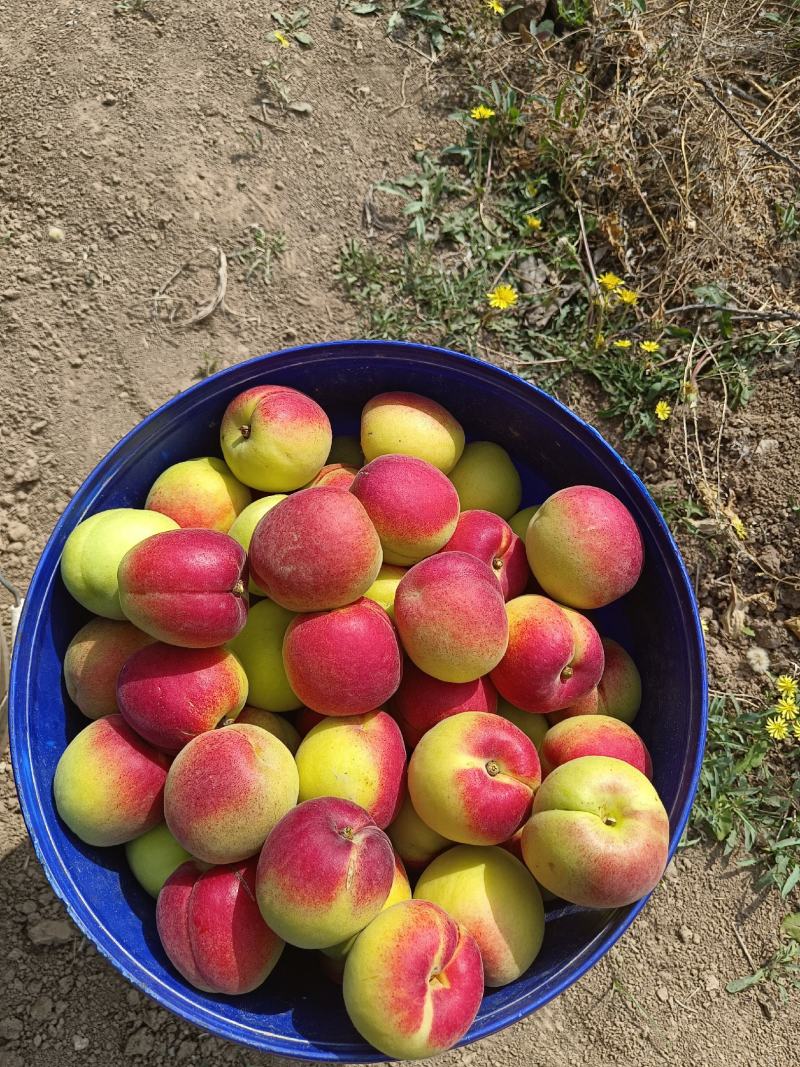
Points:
(127, 150)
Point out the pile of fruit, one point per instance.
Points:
(316, 666)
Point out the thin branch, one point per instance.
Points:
(586, 246)
(758, 141)
(745, 313)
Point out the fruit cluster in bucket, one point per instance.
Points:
(346, 698)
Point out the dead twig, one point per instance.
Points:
(217, 299)
(744, 313)
(758, 141)
(586, 249)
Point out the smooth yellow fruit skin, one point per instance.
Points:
(346, 450)
(384, 587)
(94, 550)
(246, 522)
(274, 723)
(408, 424)
(413, 839)
(535, 726)
(491, 893)
(519, 522)
(208, 479)
(259, 648)
(154, 856)
(486, 479)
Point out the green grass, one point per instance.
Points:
(749, 795)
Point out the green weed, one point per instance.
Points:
(421, 17)
(782, 969)
(293, 27)
(258, 253)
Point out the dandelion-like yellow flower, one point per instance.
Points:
(496, 6)
(627, 296)
(599, 340)
(796, 729)
(650, 346)
(533, 222)
(778, 729)
(623, 342)
(481, 112)
(786, 685)
(663, 410)
(502, 297)
(609, 281)
(281, 38)
(787, 708)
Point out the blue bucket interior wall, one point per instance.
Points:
(297, 1012)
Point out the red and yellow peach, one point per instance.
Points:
(618, 693)
(535, 726)
(485, 478)
(594, 735)
(226, 790)
(489, 538)
(109, 783)
(554, 656)
(259, 648)
(422, 701)
(598, 835)
(408, 424)
(316, 550)
(340, 475)
(199, 493)
(472, 778)
(186, 587)
(245, 523)
(495, 897)
(360, 758)
(212, 930)
(170, 695)
(274, 438)
(451, 617)
(93, 660)
(277, 725)
(343, 662)
(324, 872)
(413, 981)
(584, 547)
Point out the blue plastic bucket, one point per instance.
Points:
(297, 1012)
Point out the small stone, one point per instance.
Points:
(685, 935)
(18, 531)
(10, 1059)
(55, 233)
(41, 1009)
(140, 1043)
(51, 932)
(80, 1043)
(11, 1028)
(711, 983)
(766, 446)
(671, 873)
(132, 997)
(757, 659)
(663, 994)
(186, 1049)
(108, 100)
(768, 635)
(27, 907)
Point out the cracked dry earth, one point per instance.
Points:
(126, 151)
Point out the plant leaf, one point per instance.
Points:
(791, 881)
(738, 985)
(364, 9)
(790, 926)
(303, 38)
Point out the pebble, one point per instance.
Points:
(663, 994)
(55, 233)
(140, 1043)
(685, 934)
(80, 1043)
(18, 531)
(186, 1050)
(41, 1009)
(51, 932)
(10, 1059)
(11, 1028)
(767, 445)
(711, 983)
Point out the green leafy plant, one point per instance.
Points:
(293, 26)
(782, 969)
(420, 15)
(258, 253)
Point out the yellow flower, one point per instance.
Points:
(627, 296)
(663, 410)
(531, 188)
(609, 281)
(622, 343)
(281, 38)
(599, 340)
(496, 6)
(787, 709)
(738, 527)
(777, 729)
(481, 112)
(796, 729)
(786, 685)
(502, 297)
(533, 222)
(650, 346)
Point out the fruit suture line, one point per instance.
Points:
(322, 670)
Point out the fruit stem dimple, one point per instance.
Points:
(492, 768)
(347, 833)
(238, 587)
(244, 431)
(497, 564)
(567, 673)
(229, 720)
(608, 821)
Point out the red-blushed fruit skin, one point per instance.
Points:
(451, 617)
(391, 993)
(554, 656)
(315, 550)
(109, 783)
(584, 547)
(472, 778)
(594, 735)
(489, 538)
(618, 693)
(343, 662)
(93, 660)
(422, 701)
(305, 719)
(324, 857)
(186, 587)
(413, 506)
(212, 930)
(226, 790)
(170, 695)
(339, 475)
